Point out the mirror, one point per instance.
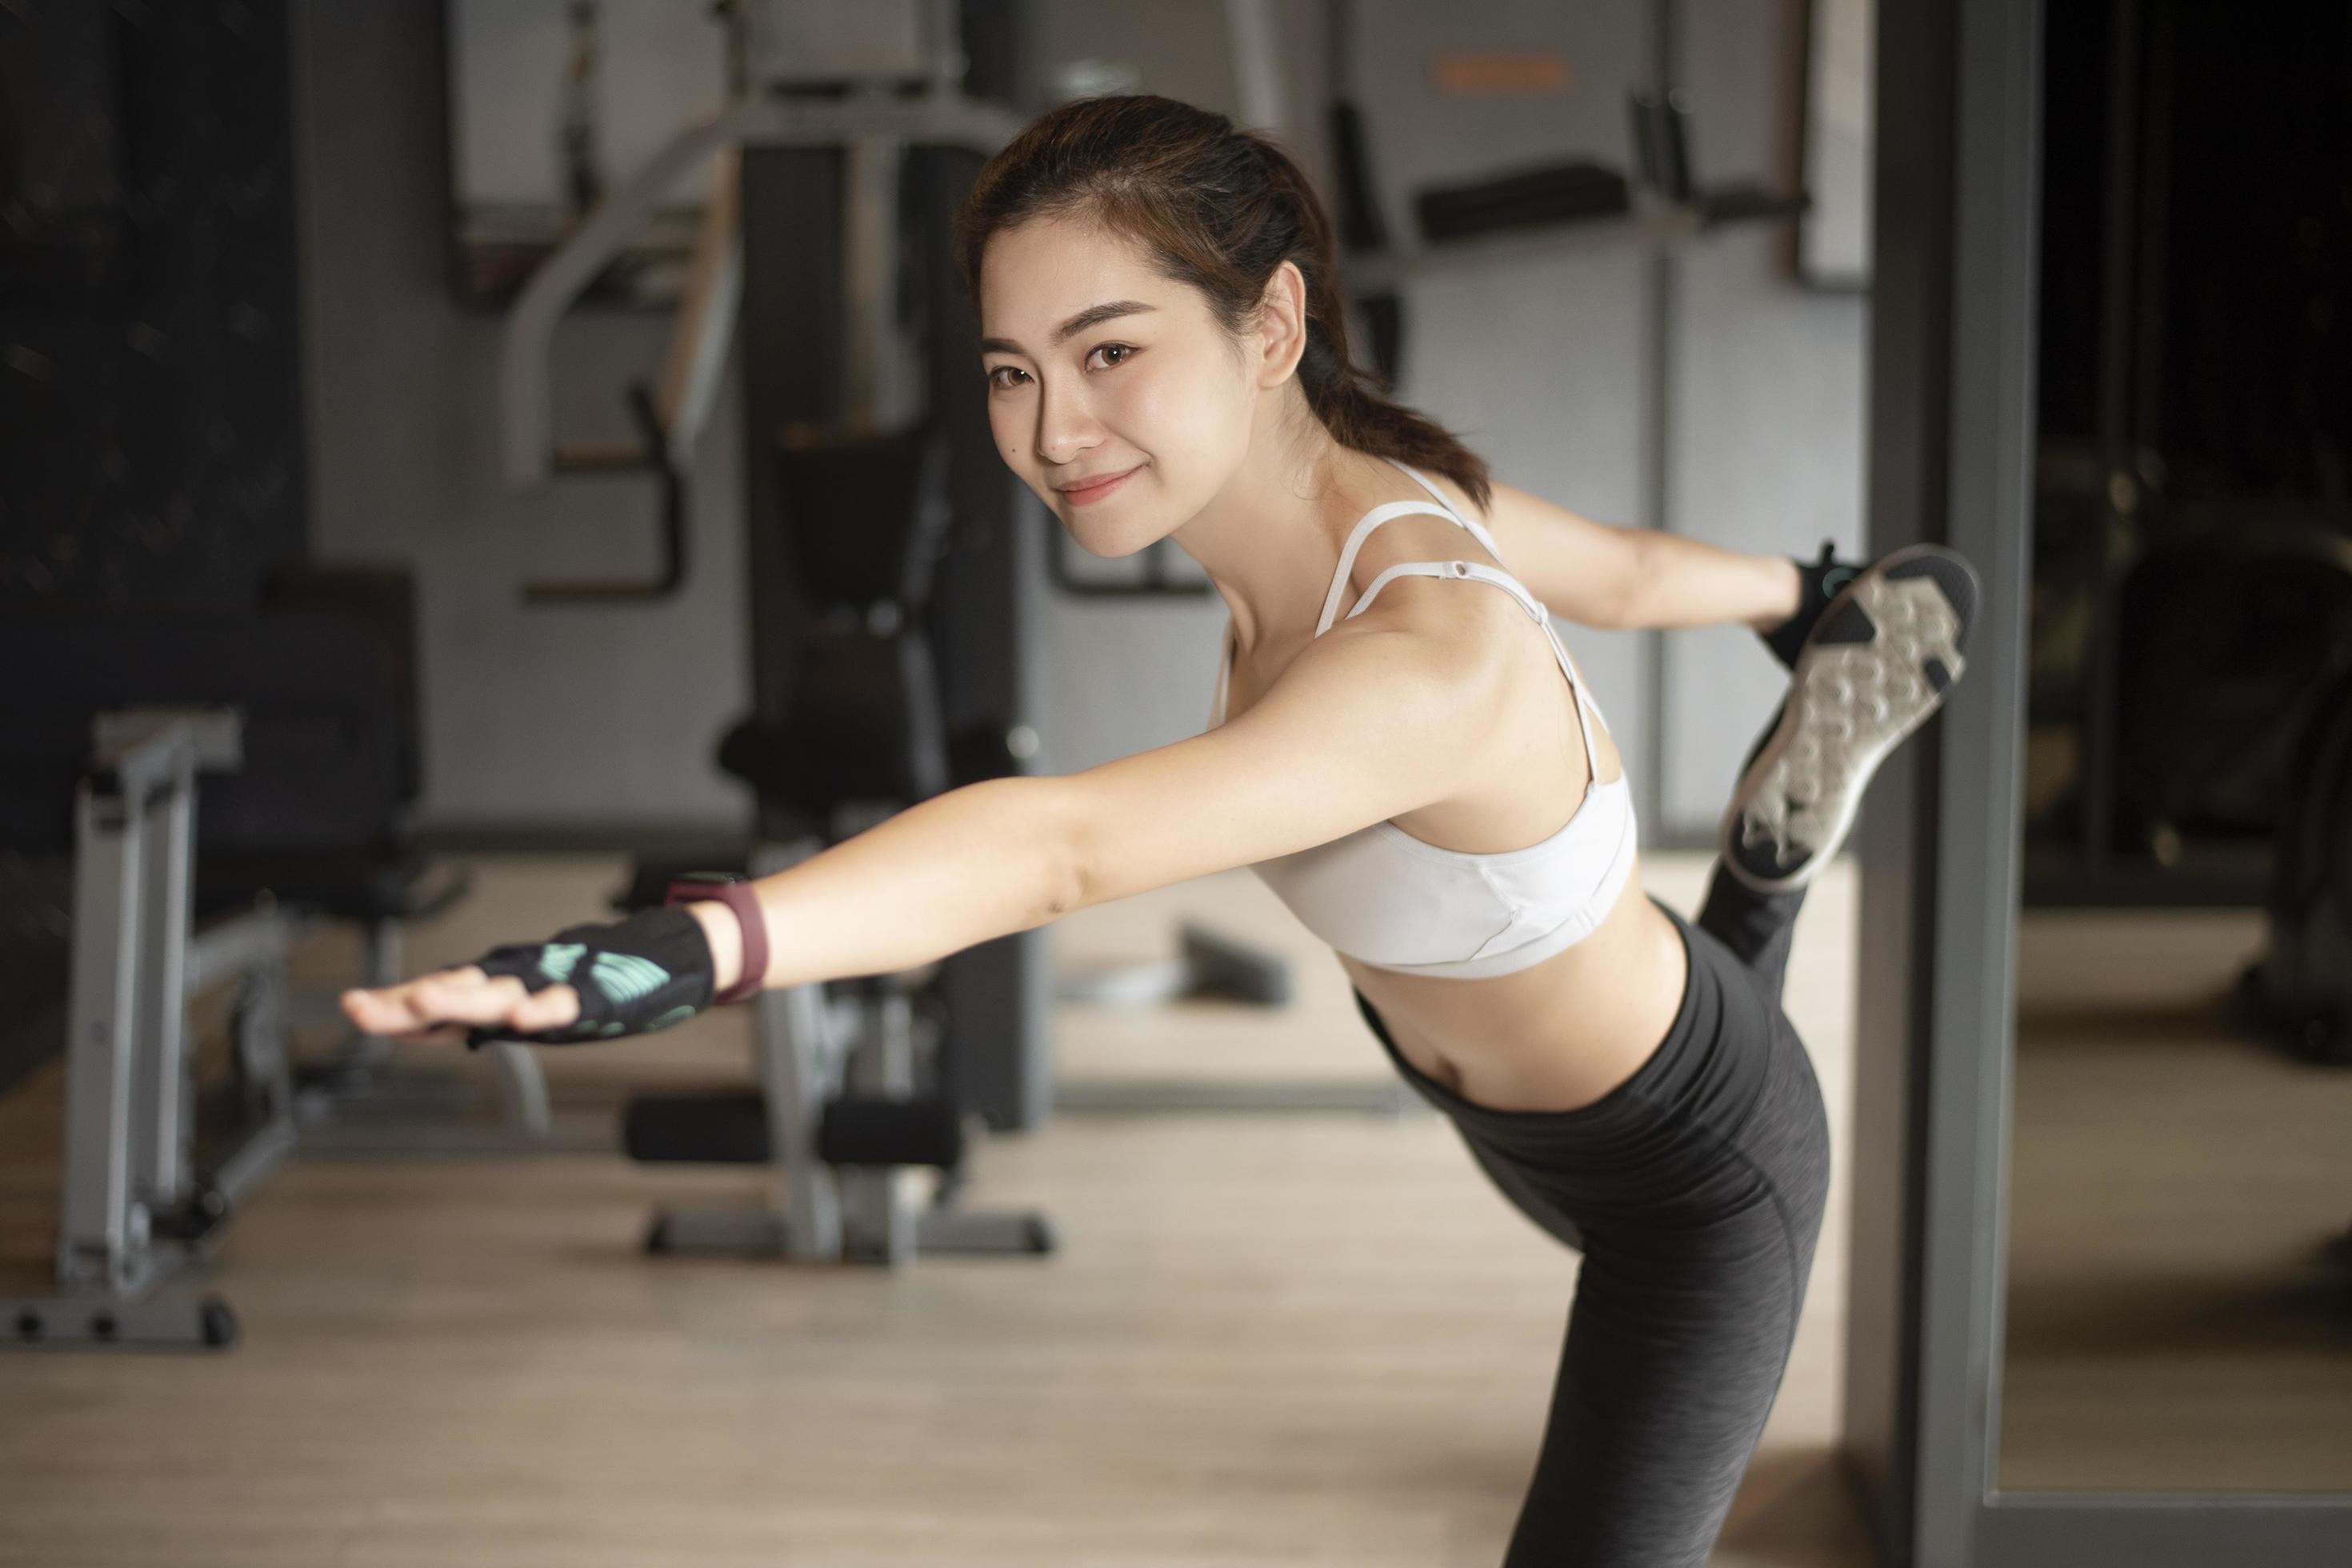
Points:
(2178, 1305)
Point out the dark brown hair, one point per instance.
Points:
(1219, 208)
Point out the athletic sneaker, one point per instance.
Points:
(1875, 664)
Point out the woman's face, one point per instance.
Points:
(1112, 391)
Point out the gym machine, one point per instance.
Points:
(140, 1204)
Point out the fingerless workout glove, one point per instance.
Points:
(1821, 581)
(633, 976)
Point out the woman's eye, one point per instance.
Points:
(1121, 350)
(997, 378)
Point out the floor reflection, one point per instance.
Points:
(2177, 1318)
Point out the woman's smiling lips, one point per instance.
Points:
(1088, 490)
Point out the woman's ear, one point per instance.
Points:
(1282, 325)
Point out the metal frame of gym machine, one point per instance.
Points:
(1952, 433)
(134, 1211)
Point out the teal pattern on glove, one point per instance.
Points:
(625, 977)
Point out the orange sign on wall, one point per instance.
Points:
(1526, 74)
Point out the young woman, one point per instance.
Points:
(1406, 754)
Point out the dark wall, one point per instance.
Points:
(151, 428)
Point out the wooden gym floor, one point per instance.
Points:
(1267, 1339)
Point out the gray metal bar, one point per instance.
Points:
(162, 1120)
(94, 1219)
(799, 1066)
(2216, 1529)
(147, 745)
(526, 429)
(874, 1224)
(231, 947)
(1972, 1017)
(522, 1090)
(1654, 225)
(254, 1158)
(1254, 48)
(178, 1321)
(1908, 353)
(1657, 473)
(1951, 445)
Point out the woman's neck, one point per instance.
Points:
(1271, 540)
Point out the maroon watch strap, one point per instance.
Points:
(741, 898)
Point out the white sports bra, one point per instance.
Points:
(1381, 896)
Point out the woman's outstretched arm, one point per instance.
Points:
(1599, 575)
(1374, 720)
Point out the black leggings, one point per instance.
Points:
(1695, 1191)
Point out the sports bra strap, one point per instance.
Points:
(1477, 531)
(1355, 537)
(1224, 673)
(1478, 569)
(1481, 572)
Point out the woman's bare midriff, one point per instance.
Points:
(1555, 1037)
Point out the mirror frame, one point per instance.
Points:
(1952, 441)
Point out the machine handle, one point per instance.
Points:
(654, 455)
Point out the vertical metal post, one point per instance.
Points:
(1952, 445)
(1657, 444)
(95, 1229)
(1909, 396)
(162, 1122)
(793, 1039)
(876, 393)
(1257, 53)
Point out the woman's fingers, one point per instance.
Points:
(426, 1008)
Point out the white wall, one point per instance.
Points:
(532, 716)
(1768, 390)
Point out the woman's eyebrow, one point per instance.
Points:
(1092, 316)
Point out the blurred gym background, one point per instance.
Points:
(463, 463)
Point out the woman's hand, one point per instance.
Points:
(440, 1007)
(590, 983)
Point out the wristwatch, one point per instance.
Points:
(735, 893)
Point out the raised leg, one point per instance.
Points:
(1757, 927)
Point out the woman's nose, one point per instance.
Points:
(1065, 428)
